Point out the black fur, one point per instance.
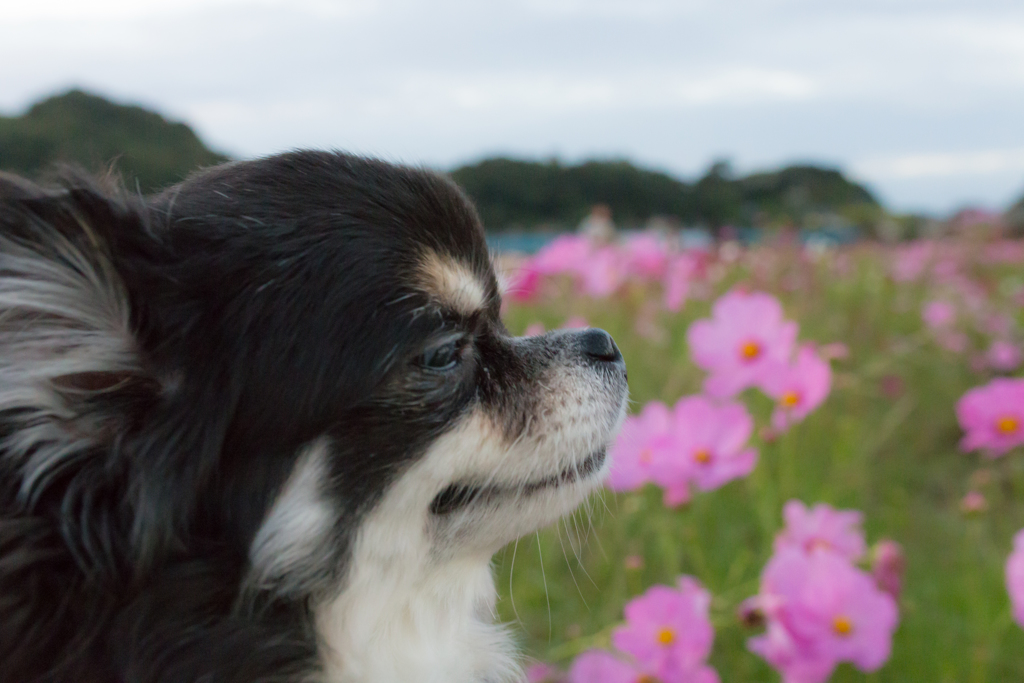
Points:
(269, 303)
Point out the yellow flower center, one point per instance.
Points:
(645, 456)
(644, 678)
(842, 626)
(1008, 424)
(750, 350)
(666, 636)
(790, 399)
(702, 456)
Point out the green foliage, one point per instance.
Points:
(524, 194)
(510, 192)
(884, 442)
(1015, 217)
(719, 199)
(92, 132)
(796, 190)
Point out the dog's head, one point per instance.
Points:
(266, 354)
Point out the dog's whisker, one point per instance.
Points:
(544, 578)
(568, 565)
(295, 368)
(511, 573)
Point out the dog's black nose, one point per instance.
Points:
(599, 345)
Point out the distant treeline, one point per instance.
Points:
(93, 132)
(523, 194)
(1015, 215)
(152, 152)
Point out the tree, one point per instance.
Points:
(92, 132)
(512, 192)
(718, 199)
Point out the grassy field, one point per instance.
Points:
(884, 442)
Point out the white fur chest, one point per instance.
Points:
(413, 608)
(398, 624)
(417, 601)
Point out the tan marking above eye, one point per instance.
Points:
(452, 283)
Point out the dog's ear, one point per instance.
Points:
(72, 376)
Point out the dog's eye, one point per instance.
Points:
(443, 357)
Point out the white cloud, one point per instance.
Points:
(15, 11)
(744, 85)
(673, 82)
(619, 9)
(634, 89)
(942, 164)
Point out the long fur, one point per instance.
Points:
(267, 426)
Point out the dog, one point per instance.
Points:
(268, 426)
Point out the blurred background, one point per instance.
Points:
(845, 119)
(859, 163)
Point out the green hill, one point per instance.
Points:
(510, 192)
(148, 149)
(1015, 216)
(93, 132)
(797, 190)
(513, 192)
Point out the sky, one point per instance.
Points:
(922, 100)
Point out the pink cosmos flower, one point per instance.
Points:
(541, 672)
(641, 438)
(523, 283)
(973, 503)
(1015, 577)
(821, 528)
(1003, 356)
(1005, 251)
(938, 314)
(911, 261)
(603, 273)
(888, 566)
(745, 337)
(633, 562)
(678, 275)
(992, 416)
(707, 448)
(892, 386)
(822, 610)
(576, 322)
(796, 661)
(667, 630)
(565, 254)
(645, 257)
(534, 329)
(598, 666)
(798, 387)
